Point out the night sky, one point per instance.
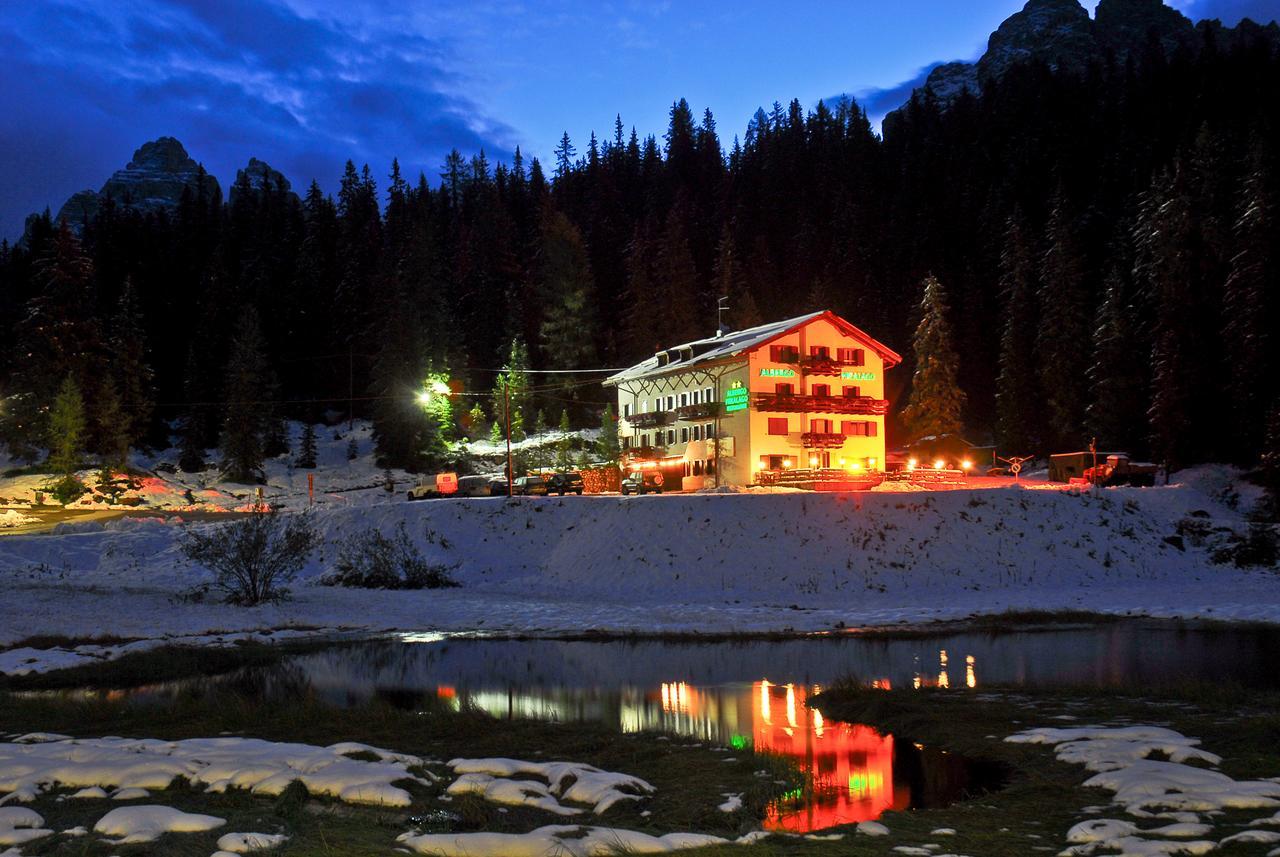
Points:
(306, 84)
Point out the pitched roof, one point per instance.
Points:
(739, 342)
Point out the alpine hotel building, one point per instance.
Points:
(802, 394)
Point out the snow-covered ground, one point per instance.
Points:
(734, 562)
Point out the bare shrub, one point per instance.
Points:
(254, 557)
(370, 560)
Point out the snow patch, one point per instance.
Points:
(35, 763)
(244, 843)
(19, 824)
(568, 781)
(130, 824)
(555, 841)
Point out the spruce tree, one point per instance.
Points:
(475, 421)
(113, 429)
(1250, 314)
(564, 446)
(65, 434)
(608, 448)
(191, 424)
(133, 375)
(1117, 375)
(1064, 331)
(568, 330)
(1018, 400)
(244, 426)
(936, 402)
(307, 448)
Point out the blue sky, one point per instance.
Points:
(305, 84)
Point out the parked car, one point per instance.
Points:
(643, 482)
(498, 486)
(564, 483)
(475, 486)
(530, 486)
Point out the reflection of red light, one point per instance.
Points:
(446, 692)
(851, 765)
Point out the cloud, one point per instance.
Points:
(1231, 11)
(87, 81)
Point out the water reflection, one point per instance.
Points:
(754, 694)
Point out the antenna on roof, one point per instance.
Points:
(721, 306)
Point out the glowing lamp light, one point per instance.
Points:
(871, 463)
(912, 463)
(813, 460)
(856, 467)
(424, 397)
(966, 465)
(939, 464)
(786, 463)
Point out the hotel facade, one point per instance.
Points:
(743, 408)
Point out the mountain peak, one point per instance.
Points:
(154, 179)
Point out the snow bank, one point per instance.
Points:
(1147, 788)
(145, 823)
(19, 824)
(494, 779)
(12, 519)
(36, 763)
(245, 843)
(713, 562)
(555, 841)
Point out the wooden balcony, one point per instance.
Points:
(645, 453)
(855, 405)
(821, 366)
(700, 411)
(649, 419)
(821, 440)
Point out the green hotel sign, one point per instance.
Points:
(735, 398)
(858, 376)
(777, 373)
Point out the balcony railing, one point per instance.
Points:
(858, 405)
(700, 411)
(820, 366)
(645, 453)
(649, 419)
(821, 440)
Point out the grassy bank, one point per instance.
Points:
(690, 777)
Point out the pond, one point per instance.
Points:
(752, 694)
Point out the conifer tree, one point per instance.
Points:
(243, 426)
(511, 388)
(66, 430)
(475, 421)
(564, 446)
(608, 448)
(133, 375)
(569, 327)
(1117, 376)
(191, 424)
(1250, 313)
(112, 427)
(936, 401)
(1063, 335)
(1018, 401)
(307, 448)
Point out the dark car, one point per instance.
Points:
(498, 487)
(643, 482)
(564, 483)
(530, 486)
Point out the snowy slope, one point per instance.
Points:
(712, 563)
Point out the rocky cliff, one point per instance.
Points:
(154, 179)
(1061, 34)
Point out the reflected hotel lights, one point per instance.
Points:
(850, 766)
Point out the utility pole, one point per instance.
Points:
(506, 411)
